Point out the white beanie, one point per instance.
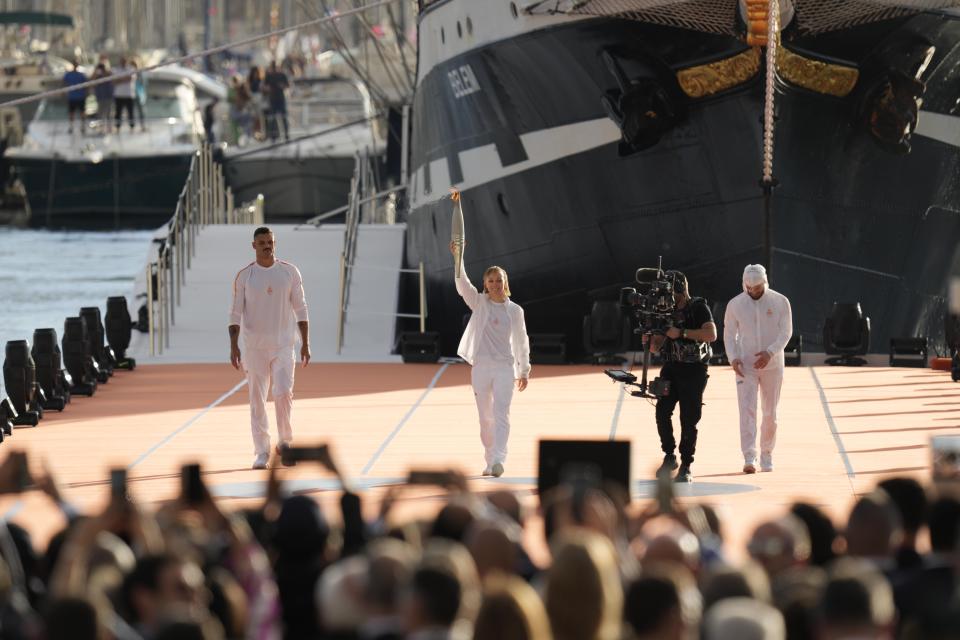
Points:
(754, 274)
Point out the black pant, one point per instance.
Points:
(121, 105)
(276, 114)
(687, 383)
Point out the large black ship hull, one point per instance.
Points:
(138, 192)
(849, 220)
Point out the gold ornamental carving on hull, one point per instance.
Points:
(816, 75)
(714, 77)
(822, 77)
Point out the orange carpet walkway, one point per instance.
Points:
(841, 430)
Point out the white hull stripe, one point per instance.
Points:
(939, 126)
(482, 164)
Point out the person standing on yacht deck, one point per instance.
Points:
(275, 86)
(104, 95)
(139, 94)
(124, 89)
(267, 298)
(757, 325)
(76, 98)
(495, 343)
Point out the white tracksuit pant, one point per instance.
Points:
(264, 366)
(769, 382)
(493, 388)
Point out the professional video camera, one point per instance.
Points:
(653, 308)
(651, 303)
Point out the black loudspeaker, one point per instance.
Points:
(420, 347)
(118, 327)
(101, 353)
(20, 381)
(793, 352)
(609, 460)
(908, 352)
(7, 415)
(548, 348)
(50, 374)
(77, 358)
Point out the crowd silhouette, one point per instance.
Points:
(618, 569)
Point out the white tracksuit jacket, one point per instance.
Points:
(749, 327)
(480, 303)
(492, 379)
(267, 304)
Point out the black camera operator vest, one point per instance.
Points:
(693, 316)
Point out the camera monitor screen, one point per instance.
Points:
(557, 457)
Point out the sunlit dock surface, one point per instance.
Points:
(841, 431)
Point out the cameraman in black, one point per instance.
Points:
(686, 350)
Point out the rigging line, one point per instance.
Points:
(397, 81)
(351, 61)
(199, 54)
(402, 43)
(362, 70)
(368, 76)
(341, 46)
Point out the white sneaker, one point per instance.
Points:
(260, 462)
(496, 470)
(766, 462)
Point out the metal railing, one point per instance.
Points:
(205, 199)
(367, 206)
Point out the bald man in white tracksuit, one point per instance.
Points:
(269, 304)
(495, 343)
(757, 326)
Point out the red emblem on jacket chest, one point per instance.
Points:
(270, 292)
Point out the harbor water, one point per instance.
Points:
(46, 276)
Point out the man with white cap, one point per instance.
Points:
(757, 326)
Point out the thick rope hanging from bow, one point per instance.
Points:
(773, 39)
(763, 30)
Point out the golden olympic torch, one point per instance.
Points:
(456, 231)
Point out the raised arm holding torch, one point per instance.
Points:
(457, 237)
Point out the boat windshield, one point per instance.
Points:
(156, 107)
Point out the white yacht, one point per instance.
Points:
(99, 176)
(331, 121)
(30, 66)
